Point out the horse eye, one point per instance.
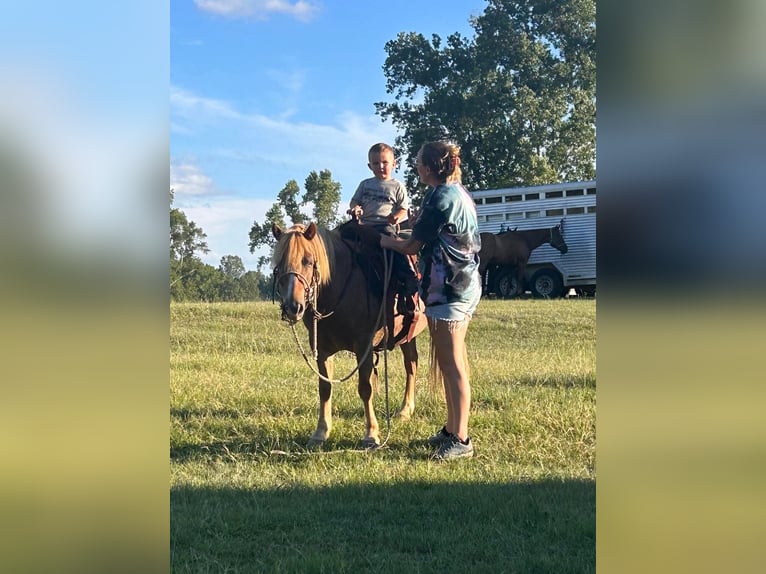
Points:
(306, 262)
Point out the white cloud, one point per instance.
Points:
(188, 179)
(190, 106)
(259, 9)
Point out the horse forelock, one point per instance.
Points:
(291, 247)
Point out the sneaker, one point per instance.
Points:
(440, 437)
(405, 304)
(454, 448)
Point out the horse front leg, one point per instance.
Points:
(410, 355)
(324, 424)
(371, 436)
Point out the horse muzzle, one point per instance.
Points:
(292, 313)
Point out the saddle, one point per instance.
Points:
(403, 322)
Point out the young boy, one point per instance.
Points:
(382, 202)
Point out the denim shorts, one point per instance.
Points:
(457, 311)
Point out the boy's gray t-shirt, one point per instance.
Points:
(380, 198)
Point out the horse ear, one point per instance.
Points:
(311, 231)
(276, 231)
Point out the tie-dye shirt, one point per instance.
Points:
(449, 260)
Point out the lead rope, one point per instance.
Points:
(388, 264)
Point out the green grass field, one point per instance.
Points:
(247, 496)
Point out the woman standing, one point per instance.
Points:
(446, 234)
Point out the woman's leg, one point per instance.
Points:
(449, 344)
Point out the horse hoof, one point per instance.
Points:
(404, 415)
(370, 443)
(315, 444)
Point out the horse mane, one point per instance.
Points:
(289, 250)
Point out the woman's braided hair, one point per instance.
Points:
(443, 159)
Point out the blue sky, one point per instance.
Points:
(265, 91)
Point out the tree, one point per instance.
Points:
(288, 200)
(324, 193)
(320, 190)
(186, 239)
(232, 267)
(254, 285)
(519, 98)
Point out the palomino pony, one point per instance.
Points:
(514, 248)
(318, 280)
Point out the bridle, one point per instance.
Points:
(311, 287)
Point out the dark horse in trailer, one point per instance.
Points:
(503, 257)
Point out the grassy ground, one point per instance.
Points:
(246, 495)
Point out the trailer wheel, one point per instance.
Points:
(547, 284)
(506, 283)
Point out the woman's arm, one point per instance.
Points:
(407, 246)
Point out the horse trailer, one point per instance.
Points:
(549, 273)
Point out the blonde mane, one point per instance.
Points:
(289, 250)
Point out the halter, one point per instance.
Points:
(311, 288)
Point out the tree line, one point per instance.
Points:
(193, 280)
(519, 97)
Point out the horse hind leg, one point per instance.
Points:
(324, 422)
(410, 355)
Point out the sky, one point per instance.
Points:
(265, 91)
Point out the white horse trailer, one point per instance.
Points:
(548, 273)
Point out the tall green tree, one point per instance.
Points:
(320, 191)
(231, 266)
(231, 269)
(518, 97)
(288, 200)
(324, 194)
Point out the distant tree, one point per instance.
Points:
(320, 191)
(186, 240)
(254, 285)
(205, 283)
(260, 234)
(232, 267)
(324, 193)
(519, 97)
(288, 200)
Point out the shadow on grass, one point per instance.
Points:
(258, 443)
(252, 439)
(544, 526)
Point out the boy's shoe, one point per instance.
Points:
(406, 304)
(454, 448)
(440, 437)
